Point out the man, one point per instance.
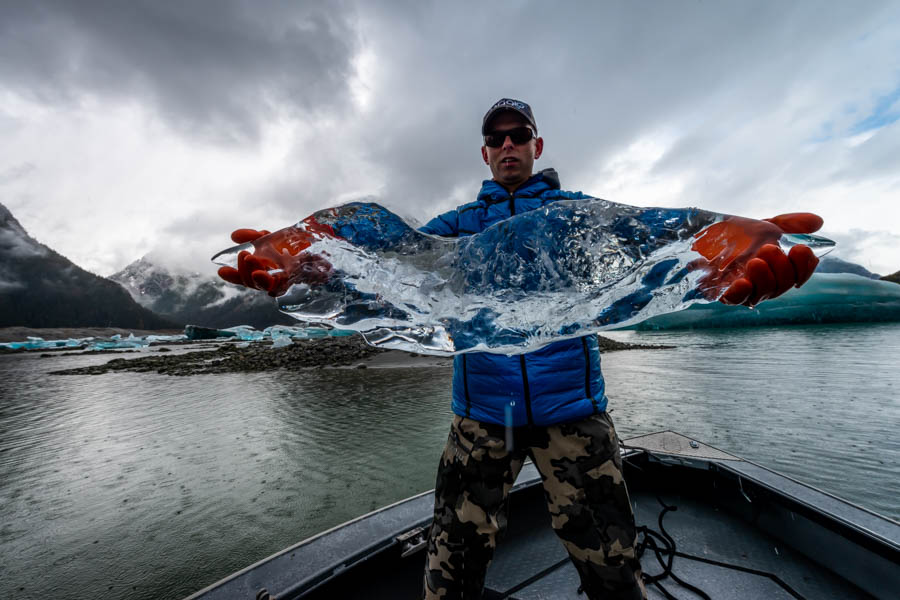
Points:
(552, 400)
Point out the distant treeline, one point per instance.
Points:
(48, 290)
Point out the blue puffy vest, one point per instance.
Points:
(557, 383)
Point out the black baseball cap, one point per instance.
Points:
(508, 104)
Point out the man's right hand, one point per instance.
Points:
(744, 263)
(257, 271)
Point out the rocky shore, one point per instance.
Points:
(231, 357)
(239, 358)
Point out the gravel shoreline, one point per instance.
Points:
(232, 357)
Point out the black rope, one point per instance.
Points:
(775, 579)
(670, 549)
(533, 578)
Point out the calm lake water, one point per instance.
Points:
(144, 486)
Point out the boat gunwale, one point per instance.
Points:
(685, 458)
(739, 459)
(305, 542)
(824, 515)
(322, 576)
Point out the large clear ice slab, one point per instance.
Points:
(568, 269)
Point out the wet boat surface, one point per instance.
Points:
(734, 529)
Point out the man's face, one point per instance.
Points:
(511, 164)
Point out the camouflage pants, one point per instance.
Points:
(589, 506)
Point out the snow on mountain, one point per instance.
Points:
(192, 297)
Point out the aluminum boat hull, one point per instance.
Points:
(739, 531)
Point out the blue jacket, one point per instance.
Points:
(557, 383)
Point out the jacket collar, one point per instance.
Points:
(491, 191)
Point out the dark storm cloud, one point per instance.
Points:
(216, 68)
(745, 108)
(599, 76)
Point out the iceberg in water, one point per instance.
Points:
(39, 343)
(567, 269)
(280, 334)
(826, 298)
(92, 343)
(246, 333)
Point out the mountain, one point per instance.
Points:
(41, 288)
(829, 264)
(894, 277)
(191, 297)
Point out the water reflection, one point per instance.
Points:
(817, 403)
(147, 486)
(144, 486)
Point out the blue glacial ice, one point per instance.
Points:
(564, 270)
(826, 298)
(91, 343)
(279, 334)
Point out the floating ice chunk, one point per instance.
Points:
(197, 332)
(281, 331)
(37, 343)
(165, 338)
(246, 333)
(281, 342)
(92, 343)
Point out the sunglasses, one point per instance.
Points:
(519, 135)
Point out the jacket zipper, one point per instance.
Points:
(512, 212)
(527, 394)
(466, 386)
(587, 374)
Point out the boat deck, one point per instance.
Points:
(740, 532)
(531, 564)
(713, 540)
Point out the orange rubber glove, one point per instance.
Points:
(743, 257)
(281, 252)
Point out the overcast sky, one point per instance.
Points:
(150, 126)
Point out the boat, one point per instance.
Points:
(710, 525)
